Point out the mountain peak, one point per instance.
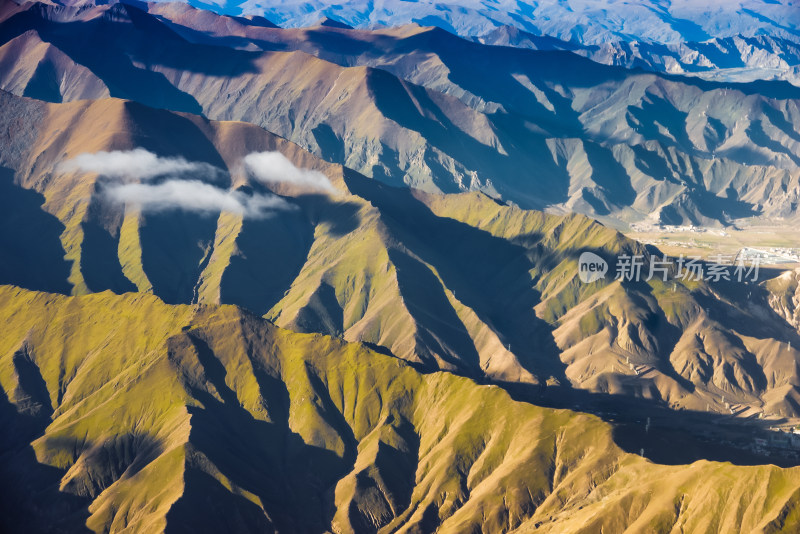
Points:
(255, 20)
(333, 23)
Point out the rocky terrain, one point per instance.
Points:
(542, 129)
(326, 279)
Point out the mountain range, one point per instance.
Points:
(459, 282)
(586, 21)
(734, 41)
(733, 59)
(543, 129)
(150, 417)
(326, 279)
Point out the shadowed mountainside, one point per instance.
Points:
(405, 106)
(209, 328)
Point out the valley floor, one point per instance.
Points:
(772, 237)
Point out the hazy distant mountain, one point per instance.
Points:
(421, 107)
(728, 40)
(585, 21)
(735, 59)
(733, 41)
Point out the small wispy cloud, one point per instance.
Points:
(142, 179)
(272, 167)
(138, 164)
(195, 196)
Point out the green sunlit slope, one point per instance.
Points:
(127, 414)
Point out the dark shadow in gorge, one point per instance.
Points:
(176, 246)
(100, 264)
(292, 479)
(271, 252)
(441, 332)
(32, 502)
(30, 240)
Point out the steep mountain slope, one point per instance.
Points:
(132, 415)
(785, 296)
(339, 264)
(541, 129)
(459, 282)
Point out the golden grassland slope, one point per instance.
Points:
(137, 416)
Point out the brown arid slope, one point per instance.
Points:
(785, 296)
(461, 282)
(424, 108)
(125, 414)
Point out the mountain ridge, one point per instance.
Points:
(357, 418)
(661, 21)
(462, 282)
(334, 310)
(400, 106)
(734, 58)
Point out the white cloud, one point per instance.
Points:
(275, 167)
(136, 164)
(193, 195)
